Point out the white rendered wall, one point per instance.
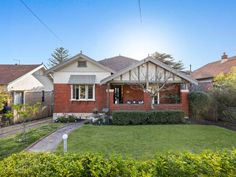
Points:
(62, 76)
(32, 82)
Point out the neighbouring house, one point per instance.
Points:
(205, 74)
(82, 85)
(28, 84)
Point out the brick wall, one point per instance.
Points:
(168, 92)
(63, 103)
(132, 94)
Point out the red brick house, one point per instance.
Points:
(82, 84)
(206, 73)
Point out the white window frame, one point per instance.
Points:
(86, 92)
(158, 99)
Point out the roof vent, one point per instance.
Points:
(224, 57)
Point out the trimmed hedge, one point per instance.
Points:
(207, 163)
(147, 117)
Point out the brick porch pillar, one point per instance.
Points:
(147, 101)
(185, 101)
(111, 98)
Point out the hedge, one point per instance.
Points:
(207, 163)
(147, 117)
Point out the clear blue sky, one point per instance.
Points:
(194, 31)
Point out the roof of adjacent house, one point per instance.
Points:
(118, 63)
(9, 73)
(210, 70)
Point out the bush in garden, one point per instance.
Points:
(165, 117)
(64, 119)
(129, 117)
(200, 103)
(208, 163)
(147, 117)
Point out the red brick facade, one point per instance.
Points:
(183, 105)
(63, 103)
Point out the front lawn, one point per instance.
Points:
(11, 144)
(144, 141)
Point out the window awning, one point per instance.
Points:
(82, 79)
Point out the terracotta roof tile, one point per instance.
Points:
(212, 69)
(118, 63)
(9, 73)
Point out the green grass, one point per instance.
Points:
(12, 144)
(144, 141)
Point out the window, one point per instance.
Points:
(83, 92)
(18, 97)
(156, 99)
(82, 64)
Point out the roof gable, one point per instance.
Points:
(156, 62)
(76, 58)
(9, 73)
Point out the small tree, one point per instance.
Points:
(23, 112)
(58, 56)
(3, 99)
(225, 81)
(152, 83)
(224, 93)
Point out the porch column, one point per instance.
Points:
(147, 101)
(111, 97)
(185, 101)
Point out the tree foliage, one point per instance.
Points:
(225, 81)
(58, 56)
(169, 60)
(224, 94)
(3, 99)
(23, 112)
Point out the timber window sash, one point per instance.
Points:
(83, 92)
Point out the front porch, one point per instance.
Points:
(130, 97)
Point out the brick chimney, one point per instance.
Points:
(224, 58)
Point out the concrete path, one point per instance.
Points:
(50, 143)
(13, 129)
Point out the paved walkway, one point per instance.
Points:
(50, 143)
(13, 129)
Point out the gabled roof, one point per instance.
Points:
(9, 73)
(210, 70)
(75, 58)
(157, 62)
(118, 63)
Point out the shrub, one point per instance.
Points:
(200, 103)
(147, 117)
(165, 117)
(64, 119)
(183, 164)
(129, 117)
